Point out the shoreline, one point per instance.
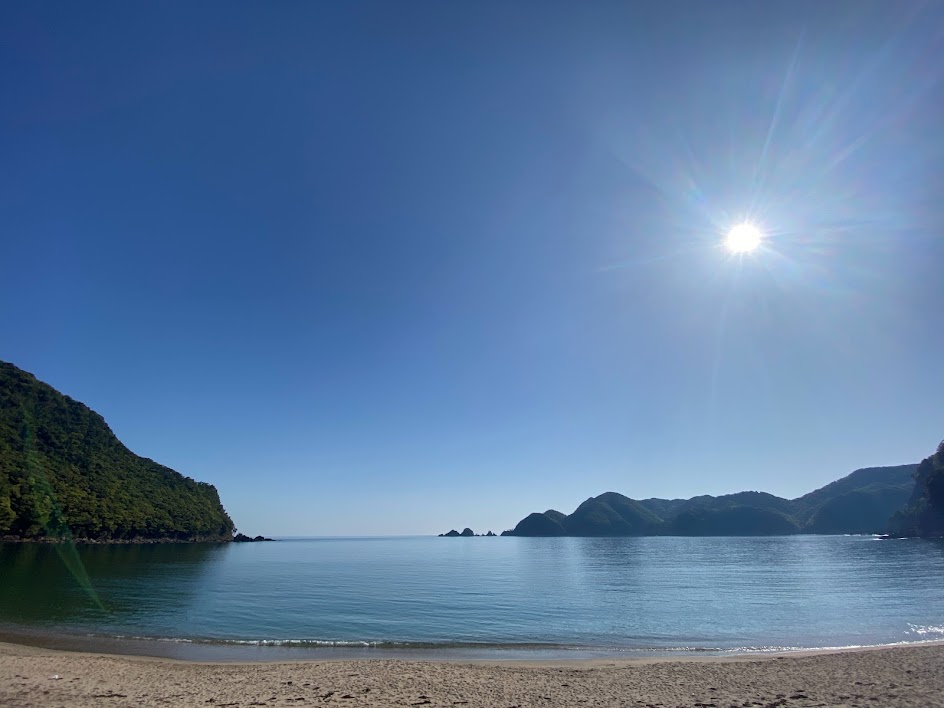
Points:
(224, 653)
(904, 675)
(137, 541)
(409, 656)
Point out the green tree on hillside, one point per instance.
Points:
(63, 471)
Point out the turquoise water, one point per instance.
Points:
(570, 596)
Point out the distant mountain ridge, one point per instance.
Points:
(861, 502)
(64, 474)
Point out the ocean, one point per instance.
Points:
(475, 597)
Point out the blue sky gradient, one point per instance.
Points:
(380, 268)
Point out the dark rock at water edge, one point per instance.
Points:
(243, 538)
(137, 540)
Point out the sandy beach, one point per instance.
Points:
(898, 676)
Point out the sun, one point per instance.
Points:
(743, 238)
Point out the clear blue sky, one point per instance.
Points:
(399, 267)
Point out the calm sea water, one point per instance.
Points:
(571, 596)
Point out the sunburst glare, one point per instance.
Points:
(743, 238)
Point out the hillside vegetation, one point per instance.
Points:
(63, 471)
(924, 515)
(861, 502)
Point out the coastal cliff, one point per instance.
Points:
(924, 515)
(64, 474)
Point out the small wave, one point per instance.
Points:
(929, 630)
(915, 635)
(347, 643)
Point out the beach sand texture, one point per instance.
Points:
(899, 676)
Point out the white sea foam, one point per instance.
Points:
(928, 630)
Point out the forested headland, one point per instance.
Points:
(64, 474)
(924, 515)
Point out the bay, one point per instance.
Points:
(481, 596)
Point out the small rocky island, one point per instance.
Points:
(243, 538)
(466, 532)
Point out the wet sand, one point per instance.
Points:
(896, 676)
